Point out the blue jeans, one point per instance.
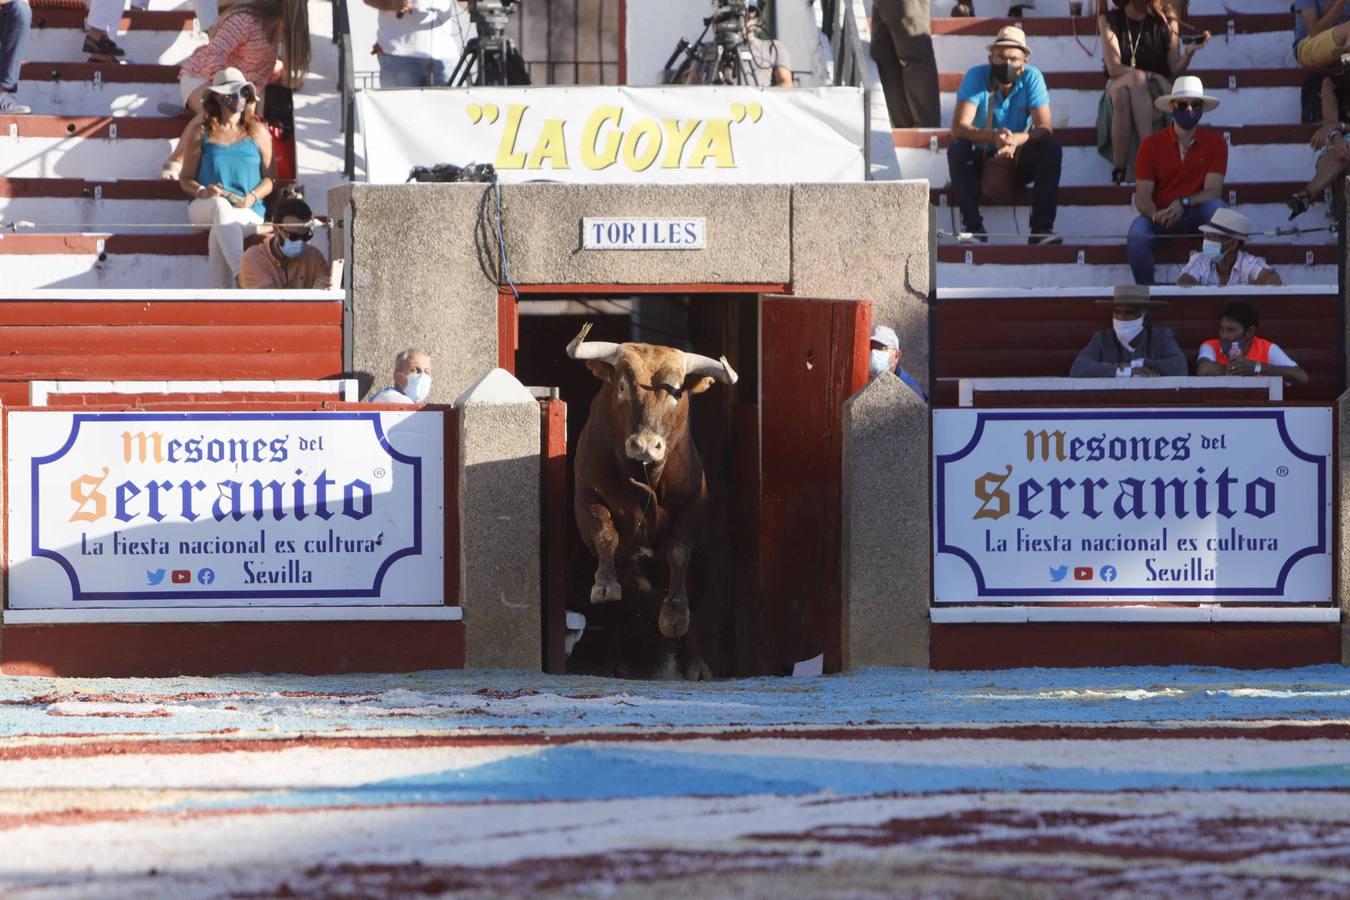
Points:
(1139, 243)
(15, 17)
(412, 71)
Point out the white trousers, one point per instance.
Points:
(207, 12)
(105, 15)
(229, 226)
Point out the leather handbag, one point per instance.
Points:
(998, 176)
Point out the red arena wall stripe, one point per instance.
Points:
(168, 312)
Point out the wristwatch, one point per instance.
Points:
(1185, 202)
(1258, 369)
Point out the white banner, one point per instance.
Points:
(619, 135)
(1134, 505)
(232, 509)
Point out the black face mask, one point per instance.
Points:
(231, 103)
(1002, 73)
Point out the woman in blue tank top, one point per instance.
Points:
(225, 171)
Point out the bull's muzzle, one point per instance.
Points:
(646, 447)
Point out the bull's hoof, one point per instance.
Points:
(697, 670)
(674, 619)
(606, 592)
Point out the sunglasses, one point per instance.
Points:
(306, 234)
(1197, 105)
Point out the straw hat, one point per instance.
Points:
(229, 81)
(1228, 223)
(1011, 36)
(1187, 87)
(1132, 295)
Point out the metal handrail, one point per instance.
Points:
(346, 83)
(845, 43)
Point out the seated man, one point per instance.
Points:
(1178, 175)
(1020, 127)
(885, 357)
(286, 260)
(770, 57)
(1131, 347)
(412, 379)
(1238, 351)
(1222, 260)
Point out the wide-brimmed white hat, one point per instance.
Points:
(1011, 36)
(1187, 87)
(229, 81)
(1228, 223)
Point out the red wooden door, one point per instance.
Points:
(813, 357)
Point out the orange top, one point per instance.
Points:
(260, 269)
(1259, 351)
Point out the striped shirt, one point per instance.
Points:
(240, 41)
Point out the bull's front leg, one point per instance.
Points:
(674, 619)
(605, 541)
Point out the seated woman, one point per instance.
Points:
(225, 171)
(1332, 146)
(1142, 54)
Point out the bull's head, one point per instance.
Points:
(650, 388)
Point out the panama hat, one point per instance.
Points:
(1228, 223)
(229, 81)
(1011, 36)
(1187, 87)
(1132, 295)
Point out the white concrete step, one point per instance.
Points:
(1246, 106)
(1045, 9)
(164, 38)
(1062, 53)
(40, 146)
(94, 261)
(84, 89)
(92, 215)
(958, 275)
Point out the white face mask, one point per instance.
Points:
(1128, 329)
(878, 361)
(418, 387)
(1211, 249)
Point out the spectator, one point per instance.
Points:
(886, 355)
(1238, 351)
(1142, 54)
(1131, 347)
(1179, 173)
(101, 23)
(902, 46)
(245, 39)
(1321, 28)
(412, 379)
(1015, 125)
(16, 16)
(225, 172)
(1221, 260)
(769, 57)
(419, 41)
(1331, 144)
(286, 260)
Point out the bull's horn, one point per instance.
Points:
(579, 348)
(694, 364)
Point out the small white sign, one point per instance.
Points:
(643, 234)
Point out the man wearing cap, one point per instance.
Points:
(1179, 175)
(1019, 127)
(1221, 259)
(1238, 351)
(1131, 347)
(885, 356)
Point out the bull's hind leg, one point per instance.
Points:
(674, 619)
(605, 541)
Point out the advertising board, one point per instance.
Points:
(1138, 505)
(221, 509)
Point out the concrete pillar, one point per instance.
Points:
(886, 534)
(499, 522)
(1343, 523)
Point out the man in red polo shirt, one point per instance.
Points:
(1178, 175)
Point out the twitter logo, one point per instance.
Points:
(1057, 573)
(157, 576)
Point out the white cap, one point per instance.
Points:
(884, 334)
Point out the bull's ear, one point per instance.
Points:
(602, 370)
(699, 385)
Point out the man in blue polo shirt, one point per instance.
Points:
(1020, 128)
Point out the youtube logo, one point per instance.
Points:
(1080, 573)
(184, 576)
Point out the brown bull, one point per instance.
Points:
(640, 486)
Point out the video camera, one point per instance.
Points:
(491, 58)
(492, 17)
(450, 173)
(725, 59)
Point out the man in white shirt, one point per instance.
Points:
(1221, 260)
(419, 41)
(412, 379)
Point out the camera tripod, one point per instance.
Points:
(491, 62)
(727, 59)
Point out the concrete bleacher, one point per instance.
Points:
(1248, 65)
(81, 201)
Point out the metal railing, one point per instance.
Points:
(342, 36)
(841, 28)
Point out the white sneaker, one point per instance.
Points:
(11, 107)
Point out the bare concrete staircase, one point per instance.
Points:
(1248, 65)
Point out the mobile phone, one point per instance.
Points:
(1192, 38)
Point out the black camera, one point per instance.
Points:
(450, 173)
(1192, 38)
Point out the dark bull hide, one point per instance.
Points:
(640, 486)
